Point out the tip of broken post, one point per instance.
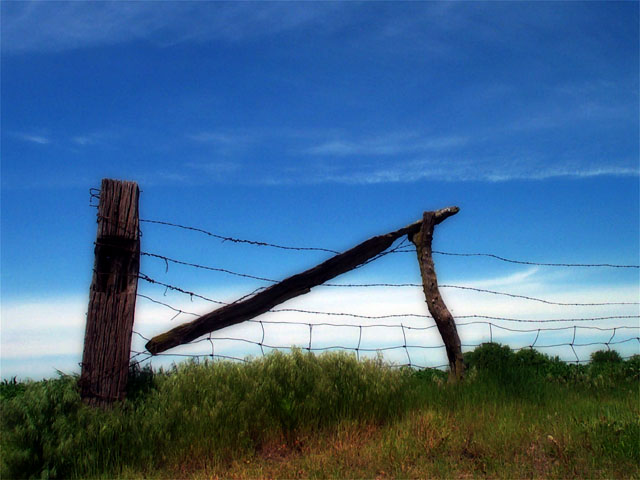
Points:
(444, 213)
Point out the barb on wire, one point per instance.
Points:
(94, 194)
(148, 279)
(204, 267)
(238, 240)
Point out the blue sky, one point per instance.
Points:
(316, 123)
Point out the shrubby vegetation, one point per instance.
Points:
(515, 370)
(220, 413)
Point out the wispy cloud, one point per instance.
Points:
(463, 170)
(162, 178)
(566, 172)
(112, 138)
(33, 138)
(56, 26)
(394, 144)
(225, 142)
(83, 141)
(218, 138)
(516, 278)
(215, 170)
(572, 112)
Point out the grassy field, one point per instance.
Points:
(516, 415)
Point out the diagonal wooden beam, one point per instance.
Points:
(289, 288)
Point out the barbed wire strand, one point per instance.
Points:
(410, 315)
(369, 285)
(399, 250)
(238, 240)
(525, 262)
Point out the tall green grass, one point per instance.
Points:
(226, 411)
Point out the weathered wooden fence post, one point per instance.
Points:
(437, 308)
(112, 298)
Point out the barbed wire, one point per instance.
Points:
(405, 315)
(168, 286)
(238, 240)
(399, 250)
(204, 267)
(367, 285)
(353, 285)
(549, 302)
(542, 264)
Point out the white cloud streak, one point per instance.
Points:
(399, 143)
(456, 170)
(99, 138)
(33, 138)
(53, 330)
(324, 157)
(31, 26)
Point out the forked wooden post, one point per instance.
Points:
(112, 296)
(437, 308)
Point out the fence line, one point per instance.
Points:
(358, 349)
(406, 346)
(486, 320)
